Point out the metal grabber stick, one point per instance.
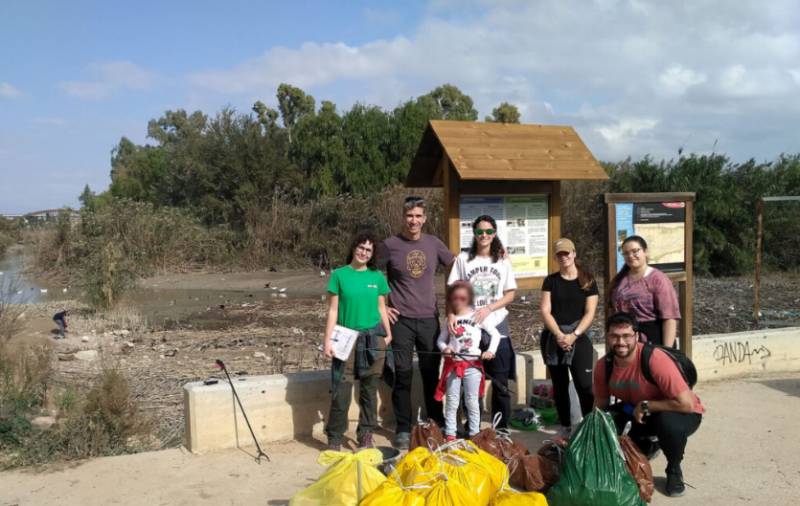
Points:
(261, 453)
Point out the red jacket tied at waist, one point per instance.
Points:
(457, 366)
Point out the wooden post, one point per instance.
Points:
(686, 287)
(452, 206)
(611, 257)
(759, 238)
(553, 223)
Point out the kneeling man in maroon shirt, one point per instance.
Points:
(663, 406)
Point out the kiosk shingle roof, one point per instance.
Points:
(497, 151)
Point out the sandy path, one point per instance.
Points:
(744, 453)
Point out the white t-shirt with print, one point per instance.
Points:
(489, 280)
(468, 339)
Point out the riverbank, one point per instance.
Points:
(171, 329)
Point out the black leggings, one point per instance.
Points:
(581, 369)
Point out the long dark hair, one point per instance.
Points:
(585, 278)
(624, 271)
(495, 249)
(359, 239)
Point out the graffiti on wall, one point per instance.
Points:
(740, 352)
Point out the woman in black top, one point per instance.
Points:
(569, 301)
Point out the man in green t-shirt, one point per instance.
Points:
(357, 294)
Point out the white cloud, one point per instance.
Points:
(645, 77)
(7, 90)
(676, 79)
(108, 78)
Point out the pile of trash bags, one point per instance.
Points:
(457, 473)
(594, 467)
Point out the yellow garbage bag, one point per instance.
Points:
(418, 466)
(472, 476)
(510, 497)
(446, 492)
(349, 478)
(496, 469)
(390, 493)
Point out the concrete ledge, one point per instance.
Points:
(283, 407)
(720, 356)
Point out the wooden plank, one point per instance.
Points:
(611, 256)
(467, 187)
(554, 224)
(650, 197)
(687, 297)
(522, 152)
(759, 247)
(529, 283)
(543, 175)
(511, 143)
(452, 200)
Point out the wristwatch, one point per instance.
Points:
(645, 408)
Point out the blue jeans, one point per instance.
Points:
(472, 383)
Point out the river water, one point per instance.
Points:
(17, 288)
(162, 306)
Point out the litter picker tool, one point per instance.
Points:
(261, 453)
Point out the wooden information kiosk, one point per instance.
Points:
(666, 222)
(510, 172)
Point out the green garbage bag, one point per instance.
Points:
(594, 473)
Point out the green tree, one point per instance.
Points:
(320, 152)
(87, 198)
(504, 113)
(367, 134)
(451, 103)
(293, 103)
(266, 115)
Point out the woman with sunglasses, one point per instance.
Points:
(357, 295)
(647, 293)
(486, 268)
(569, 302)
(462, 363)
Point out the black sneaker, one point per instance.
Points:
(365, 441)
(402, 440)
(675, 486)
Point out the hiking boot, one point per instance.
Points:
(365, 441)
(402, 440)
(675, 486)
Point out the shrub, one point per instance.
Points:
(107, 422)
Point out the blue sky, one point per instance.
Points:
(635, 77)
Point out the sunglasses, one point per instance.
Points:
(482, 231)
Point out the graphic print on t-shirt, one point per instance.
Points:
(416, 262)
(485, 280)
(467, 336)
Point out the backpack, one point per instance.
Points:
(681, 361)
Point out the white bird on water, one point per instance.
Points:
(64, 290)
(43, 290)
(282, 290)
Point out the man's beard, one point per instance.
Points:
(631, 349)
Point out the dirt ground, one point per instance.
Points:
(745, 452)
(171, 330)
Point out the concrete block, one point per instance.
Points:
(280, 407)
(290, 406)
(721, 356)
